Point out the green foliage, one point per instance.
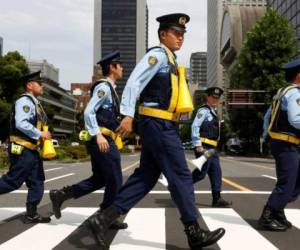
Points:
(72, 152)
(4, 161)
(185, 130)
(12, 67)
(269, 44)
(5, 109)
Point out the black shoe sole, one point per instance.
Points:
(56, 212)
(99, 239)
(217, 237)
(269, 228)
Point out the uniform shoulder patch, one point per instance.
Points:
(26, 108)
(199, 115)
(100, 93)
(152, 60)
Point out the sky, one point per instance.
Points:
(61, 31)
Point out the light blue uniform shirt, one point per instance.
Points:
(140, 77)
(101, 97)
(25, 110)
(203, 114)
(290, 102)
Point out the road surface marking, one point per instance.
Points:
(59, 177)
(235, 185)
(167, 192)
(7, 212)
(269, 177)
(293, 215)
(249, 164)
(130, 166)
(47, 236)
(146, 230)
(239, 234)
(52, 169)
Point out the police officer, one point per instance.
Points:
(27, 118)
(101, 120)
(282, 126)
(205, 136)
(154, 79)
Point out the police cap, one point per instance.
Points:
(113, 57)
(35, 76)
(175, 21)
(291, 68)
(215, 92)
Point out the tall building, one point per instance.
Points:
(291, 10)
(48, 70)
(198, 69)
(81, 91)
(1, 46)
(214, 19)
(59, 104)
(121, 25)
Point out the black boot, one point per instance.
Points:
(268, 221)
(32, 216)
(118, 225)
(281, 218)
(100, 222)
(218, 201)
(198, 237)
(57, 198)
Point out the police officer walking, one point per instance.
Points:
(282, 126)
(27, 118)
(101, 120)
(205, 136)
(155, 79)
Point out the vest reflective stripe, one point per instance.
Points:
(209, 142)
(41, 119)
(275, 109)
(24, 143)
(116, 137)
(159, 113)
(174, 81)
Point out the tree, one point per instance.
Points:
(269, 44)
(12, 67)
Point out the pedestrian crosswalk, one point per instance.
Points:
(146, 231)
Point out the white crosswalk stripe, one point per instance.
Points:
(140, 234)
(236, 228)
(56, 231)
(147, 229)
(8, 212)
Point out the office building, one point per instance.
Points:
(121, 25)
(215, 9)
(290, 9)
(198, 69)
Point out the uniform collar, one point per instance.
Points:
(164, 46)
(213, 109)
(113, 84)
(33, 97)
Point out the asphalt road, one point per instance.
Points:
(154, 222)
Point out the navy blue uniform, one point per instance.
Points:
(162, 150)
(102, 111)
(28, 166)
(206, 126)
(282, 129)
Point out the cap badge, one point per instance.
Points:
(182, 20)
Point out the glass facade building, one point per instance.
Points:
(198, 69)
(121, 25)
(291, 10)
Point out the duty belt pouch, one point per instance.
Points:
(16, 149)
